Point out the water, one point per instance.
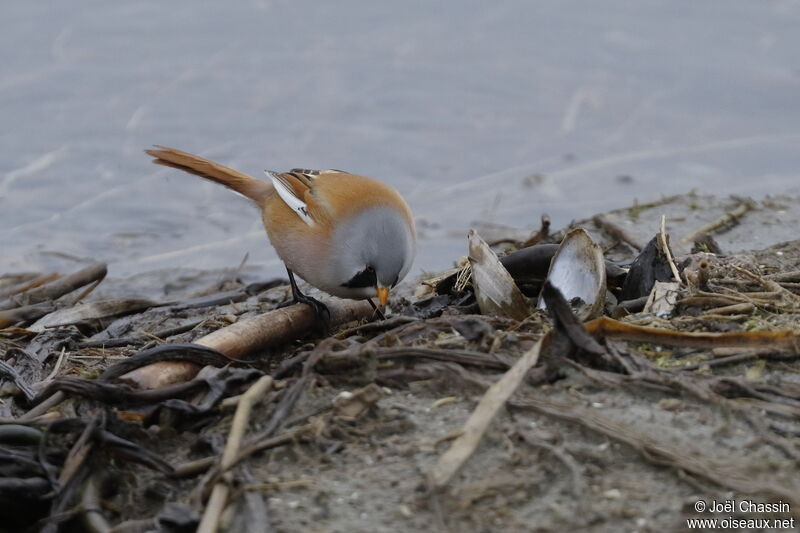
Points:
(473, 111)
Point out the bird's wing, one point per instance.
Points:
(292, 188)
(310, 175)
(297, 190)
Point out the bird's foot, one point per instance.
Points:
(320, 309)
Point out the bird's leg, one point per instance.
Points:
(320, 309)
(377, 311)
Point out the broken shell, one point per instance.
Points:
(578, 270)
(495, 290)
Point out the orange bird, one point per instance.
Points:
(348, 235)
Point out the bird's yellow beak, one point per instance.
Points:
(383, 295)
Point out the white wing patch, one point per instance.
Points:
(289, 197)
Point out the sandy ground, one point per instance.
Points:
(535, 469)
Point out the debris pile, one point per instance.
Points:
(592, 377)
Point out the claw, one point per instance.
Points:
(320, 309)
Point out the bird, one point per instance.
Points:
(348, 235)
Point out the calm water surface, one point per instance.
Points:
(475, 111)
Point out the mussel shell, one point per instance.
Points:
(578, 270)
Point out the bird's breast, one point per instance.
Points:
(304, 248)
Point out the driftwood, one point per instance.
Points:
(617, 232)
(248, 336)
(219, 495)
(9, 317)
(726, 474)
(493, 400)
(91, 311)
(727, 219)
(58, 288)
(11, 284)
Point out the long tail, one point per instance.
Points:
(255, 189)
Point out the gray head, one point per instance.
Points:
(372, 252)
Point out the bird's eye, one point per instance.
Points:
(365, 278)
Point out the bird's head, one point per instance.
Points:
(372, 251)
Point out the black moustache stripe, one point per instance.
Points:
(365, 278)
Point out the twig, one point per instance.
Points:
(617, 232)
(25, 283)
(57, 366)
(726, 219)
(472, 432)
(195, 467)
(74, 469)
(249, 336)
(279, 485)
(734, 309)
(219, 495)
(45, 406)
(542, 234)
(282, 410)
(667, 252)
(9, 317)
(656, 450)
(787, 277)
(383, 325)
(9, 371)
(464, 357)
(57, 288)
(93, 517)
(125, 341)
(720, 361)
(578, 484)
(86, 292)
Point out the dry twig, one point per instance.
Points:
(728, 475)
(725, 220)
(249, 336)
(219, 494)
(667, 252)
(618, 232)
(474, 428)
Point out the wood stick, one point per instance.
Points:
(248, 336)
(92, 510)
(27, 283)
(495, 398)
(125, 341)
(45, 406)
(726, 219)
(542, 234)
(743, 308)
(219, 495)
(784, 276)
(57, 288)
(665, 245)
(9, 317)
(726, 474)
(616, 231)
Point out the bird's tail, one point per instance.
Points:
(255, 189)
